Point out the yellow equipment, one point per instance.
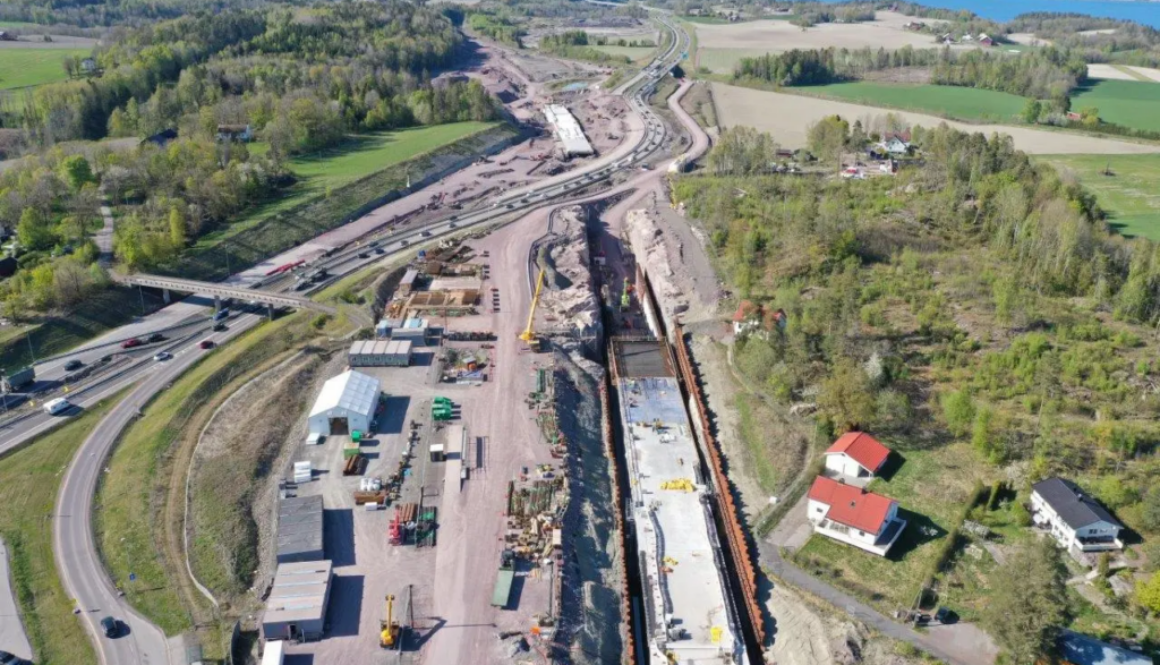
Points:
(390, 628)
(528, 335)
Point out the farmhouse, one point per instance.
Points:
(985, 40)
(896, 144)
(1073, 518)
(856, 455)
(854, 516)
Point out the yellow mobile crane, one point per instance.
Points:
(389, 636)
(529, 335)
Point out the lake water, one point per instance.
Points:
(1146, 13)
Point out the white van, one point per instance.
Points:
(57, 406)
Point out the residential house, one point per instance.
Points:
(985, 40)
(89, 66)
(896, 143)
(1076, 649)
(856, 455)
(242, 133)
(1077, 521)
(854, 516)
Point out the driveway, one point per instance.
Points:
(794, 529)
(958, 644)
(12, 637)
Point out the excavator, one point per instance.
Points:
(529, 335)
(389, 637)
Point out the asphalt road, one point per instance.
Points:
(82, 572)
(12, 636)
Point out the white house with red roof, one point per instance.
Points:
(856, 455)
(854, 516)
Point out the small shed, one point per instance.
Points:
(347, 403)
(407, 284)
(385, 326)
(296, 607)
(412, 329)
(300, 529)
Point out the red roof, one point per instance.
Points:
(862, 448)
(852, 506)
(745, 310)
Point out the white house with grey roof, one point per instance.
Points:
(1073, 518)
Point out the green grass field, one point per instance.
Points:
(357, 158)
(1131, 196)
(29, 480)
(21, 67)
(634, 53)
(946, 101)
(722, 60)
(1129, 103)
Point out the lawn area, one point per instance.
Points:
(1131, 196)
(360, 156)
(932, 487)
(29, 480)
(21, 67)
(1129, 103)
(722, 60)
(633, 53)
(941, 100)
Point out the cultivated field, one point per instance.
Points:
(779, 36)
(1129, 103)
(788, 118)
(1105, 71)
(1129, 195)
(21, 67)
(974, 104)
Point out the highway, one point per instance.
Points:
(77, 558)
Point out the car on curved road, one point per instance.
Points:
(111, 627)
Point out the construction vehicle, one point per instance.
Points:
(529, 335)
(17, 381)
(503, 581)
(389, 636)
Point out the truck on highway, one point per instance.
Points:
(18, 380)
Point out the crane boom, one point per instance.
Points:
(527, 335)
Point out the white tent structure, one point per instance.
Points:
(347, 403)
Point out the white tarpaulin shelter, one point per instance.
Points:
(347, 403)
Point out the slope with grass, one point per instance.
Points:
(1134, 104)
(23, 67)
(970, 104)
(29, 480)
(334, 187)
(1130, 194)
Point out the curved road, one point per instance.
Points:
(77, 558)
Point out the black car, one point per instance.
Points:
(364, 255)
(70, 366)
(380, 250)
(218, 327)
(155, 337)
(10, 659)
(111, 627)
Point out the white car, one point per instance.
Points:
(162, 356)
(57, 406)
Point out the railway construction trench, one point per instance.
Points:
(639, 321)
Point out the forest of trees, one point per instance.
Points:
(302, 82)
(1046, 73)
(975, 297)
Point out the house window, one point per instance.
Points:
(818, 510)
(861, 533)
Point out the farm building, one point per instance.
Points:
(857, 455)
(296, 608)
(380, 353)
(300, 529)
(347, 403)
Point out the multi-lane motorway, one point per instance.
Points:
(82, 572)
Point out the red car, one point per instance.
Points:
(130, 343)
(206, 344)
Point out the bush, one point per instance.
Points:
(320, 321)
(958, 411)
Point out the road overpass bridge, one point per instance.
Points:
(218, 291)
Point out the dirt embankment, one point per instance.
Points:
(569, 300)
(230, 496)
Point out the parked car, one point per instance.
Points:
(130, 343)
(162, 356)
(206, 344)
(71, 366)
(111, 626)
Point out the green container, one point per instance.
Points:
(442, 401)
(356, 436)
(349, 451)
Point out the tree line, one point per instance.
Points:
(1046, 73)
